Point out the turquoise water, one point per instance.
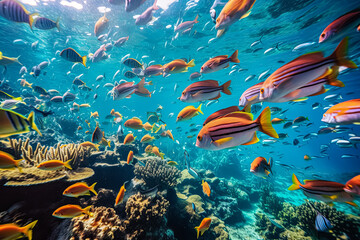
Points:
(281, 26)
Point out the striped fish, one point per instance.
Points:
(322, 224)
(221, 113)
(121, 41)
(71, 55)
(204, 90)
(14, 11)
(347, 112)
(303, 70)
(234, 129)
(124, 90)
(132, 63)
(8, 60)
(251, 95)
(12, 123)
(5, 95)
(130, 74)
(322, 190)
(46, 24)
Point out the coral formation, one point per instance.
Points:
(104, 225)
(157, 172)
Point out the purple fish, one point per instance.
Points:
(14, 11)
(131, 5)
(146, 16)
(121, 41)
(46, 24)
(57, 99)
(100, 54)
(124, 90)
(186, 25)
(153, 70)
(195, 75)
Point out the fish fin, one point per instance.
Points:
(197, 93)
(352, 204)
(340, 54)
(199, 109)
(31, 120)
(246, 14)
(191, 63)
(217, 97)
(67, 164)
(84, 60)
(221, 141)
(197, 232)
(154, 6)
(228, 65)
(225, 87)
(87, 211)
(92, 188)
(247, 108)
(141, 88)
(300, 99)
(323, 90)
(17, 60)
(220, 32)
(333, 197)
(234, 57)
(57, 24)
(1, 55)
(27, 230)
(332, 78)
(296, 183)
(31, 19)
(264, 121)
(196, 19)
(254, 140)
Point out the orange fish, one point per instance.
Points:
(206, 188)
(79, 189)
(148, 149)
(204, 225)
(101, 25)
(94, 114)
(167, 133)
(156, 151)
(71, 211)
(277, 121)
(260, 167)
(147, 138)
(120, 196)
(220, 62)
(53, 165)
(129, 138)
(12, 231)
(8, 162)
(307, 158)
(233, 11)
(115, 114)
(147, 126)
(177, 66)
(90, 144)
(188, 113)
(347, 112)
(130, 157)
(353, 185)
(134, 123)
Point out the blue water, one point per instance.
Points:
(283, 24)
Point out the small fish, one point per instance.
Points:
(147, 139)
(261, 168)
(4, 61)
(126, 89)
(53, 165)
(172, 163)
(130, 157)
(71, 55)
(90, 145)
(186, 25)
(134, 123)
(71, 211)
(13, 123)
(195, 76)
(14, 11)
(204, 90)
(177, 66)
(156, 151)
(129, 139)
(120, 195)
(44, 23)
(101, 26)
(206, 188)
(343, 113)
(204, 225)
(146, 16)
(8, 162)
(97, 135)
(129, 74)
(188, 112)
(132, 63)
(13, 231)
(121, 41)
(220, 62)
(79, 189)
(68, 97)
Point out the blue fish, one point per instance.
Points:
(72, 56)
(46, 24)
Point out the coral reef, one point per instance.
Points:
(145, 217)
(157, 172)
(269, 201)
(104, 225)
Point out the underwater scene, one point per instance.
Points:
(179, 119)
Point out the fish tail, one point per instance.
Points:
(97, 147)
(226, 89)
(154, 5)
(67, 164)
(31, 120)
(92, 188)
(83, 60)
(27, 230)
(18, 99)
(199, 109)
(191, 63)
(296, 183)
(17, 60)
(87, 211)
(265, 125)
(234, 57)
(31, 19)
(197, 232)
(340, 54)
(150, 83)
(196, 19)
(1, 55)
(57, 24)
(109, 143)
(247, 108)
(332, 78)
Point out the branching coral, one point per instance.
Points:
(269, 202)
(104, 225)
(145, 217)
(157, 172)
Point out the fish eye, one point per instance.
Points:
(262, 90)
(323, 35)
(199, 138)
(183, 93)
(350, 186)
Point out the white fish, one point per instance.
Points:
(125, 57)
(211, 102)
(211, 40)
(23, 70)
(171, 115)
(303, 45)
(117, 73)
(100, 77)
(249, 78)
(263, 74)
(34, 45)
(269, 50)
(200, 48)
(354, 139)
(232, 71)
(332, 97)
(344, 144)
(20, 42)
(109, 85)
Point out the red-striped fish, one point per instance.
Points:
(46, 24)
(303, 70)
(204, 90)
(251, 95)
(14, 11)
(261, 168)
(220, 62)
(234, 129)
(71, 55)
(225, 111)
(322, 190)
(124, 90)
(13, 123)
(347, 112)
(186, 25)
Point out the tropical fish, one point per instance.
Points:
(94, 114)
(14, 11)
(322, 190)
(121, 41)
(134, 123)
(307, 157)
(71, 55)
(132, 63)
(233, 11)
(148, 149)
(8, 162)
(4, 61)
(90, 144)
(152, 70)
(5, 95)
(233, 129)
(303, 70)
(204, 90)
(322, 224)
(124, 90)
(120, 196)
(53, 165)
(13, 231)
(99, 55)
(40, 90)
(146, 16)
(220, 62)
(195, 76)
(46, 24)
(186, 25)
(204, 225)
(353, 185)
(172, 163)
(177, 66)
(130, 157)
(79, 189)
(188, 112)
(251, 95)
(71, 211)
(101, 26)
(261, 168)
(97, 135)
(156, 151)
(129, 139)
(147, 126)
(147, 139)
(221, 113)
(340, 25)
(206, 188)
(167, 133)
(344, 113)
(13, 123)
